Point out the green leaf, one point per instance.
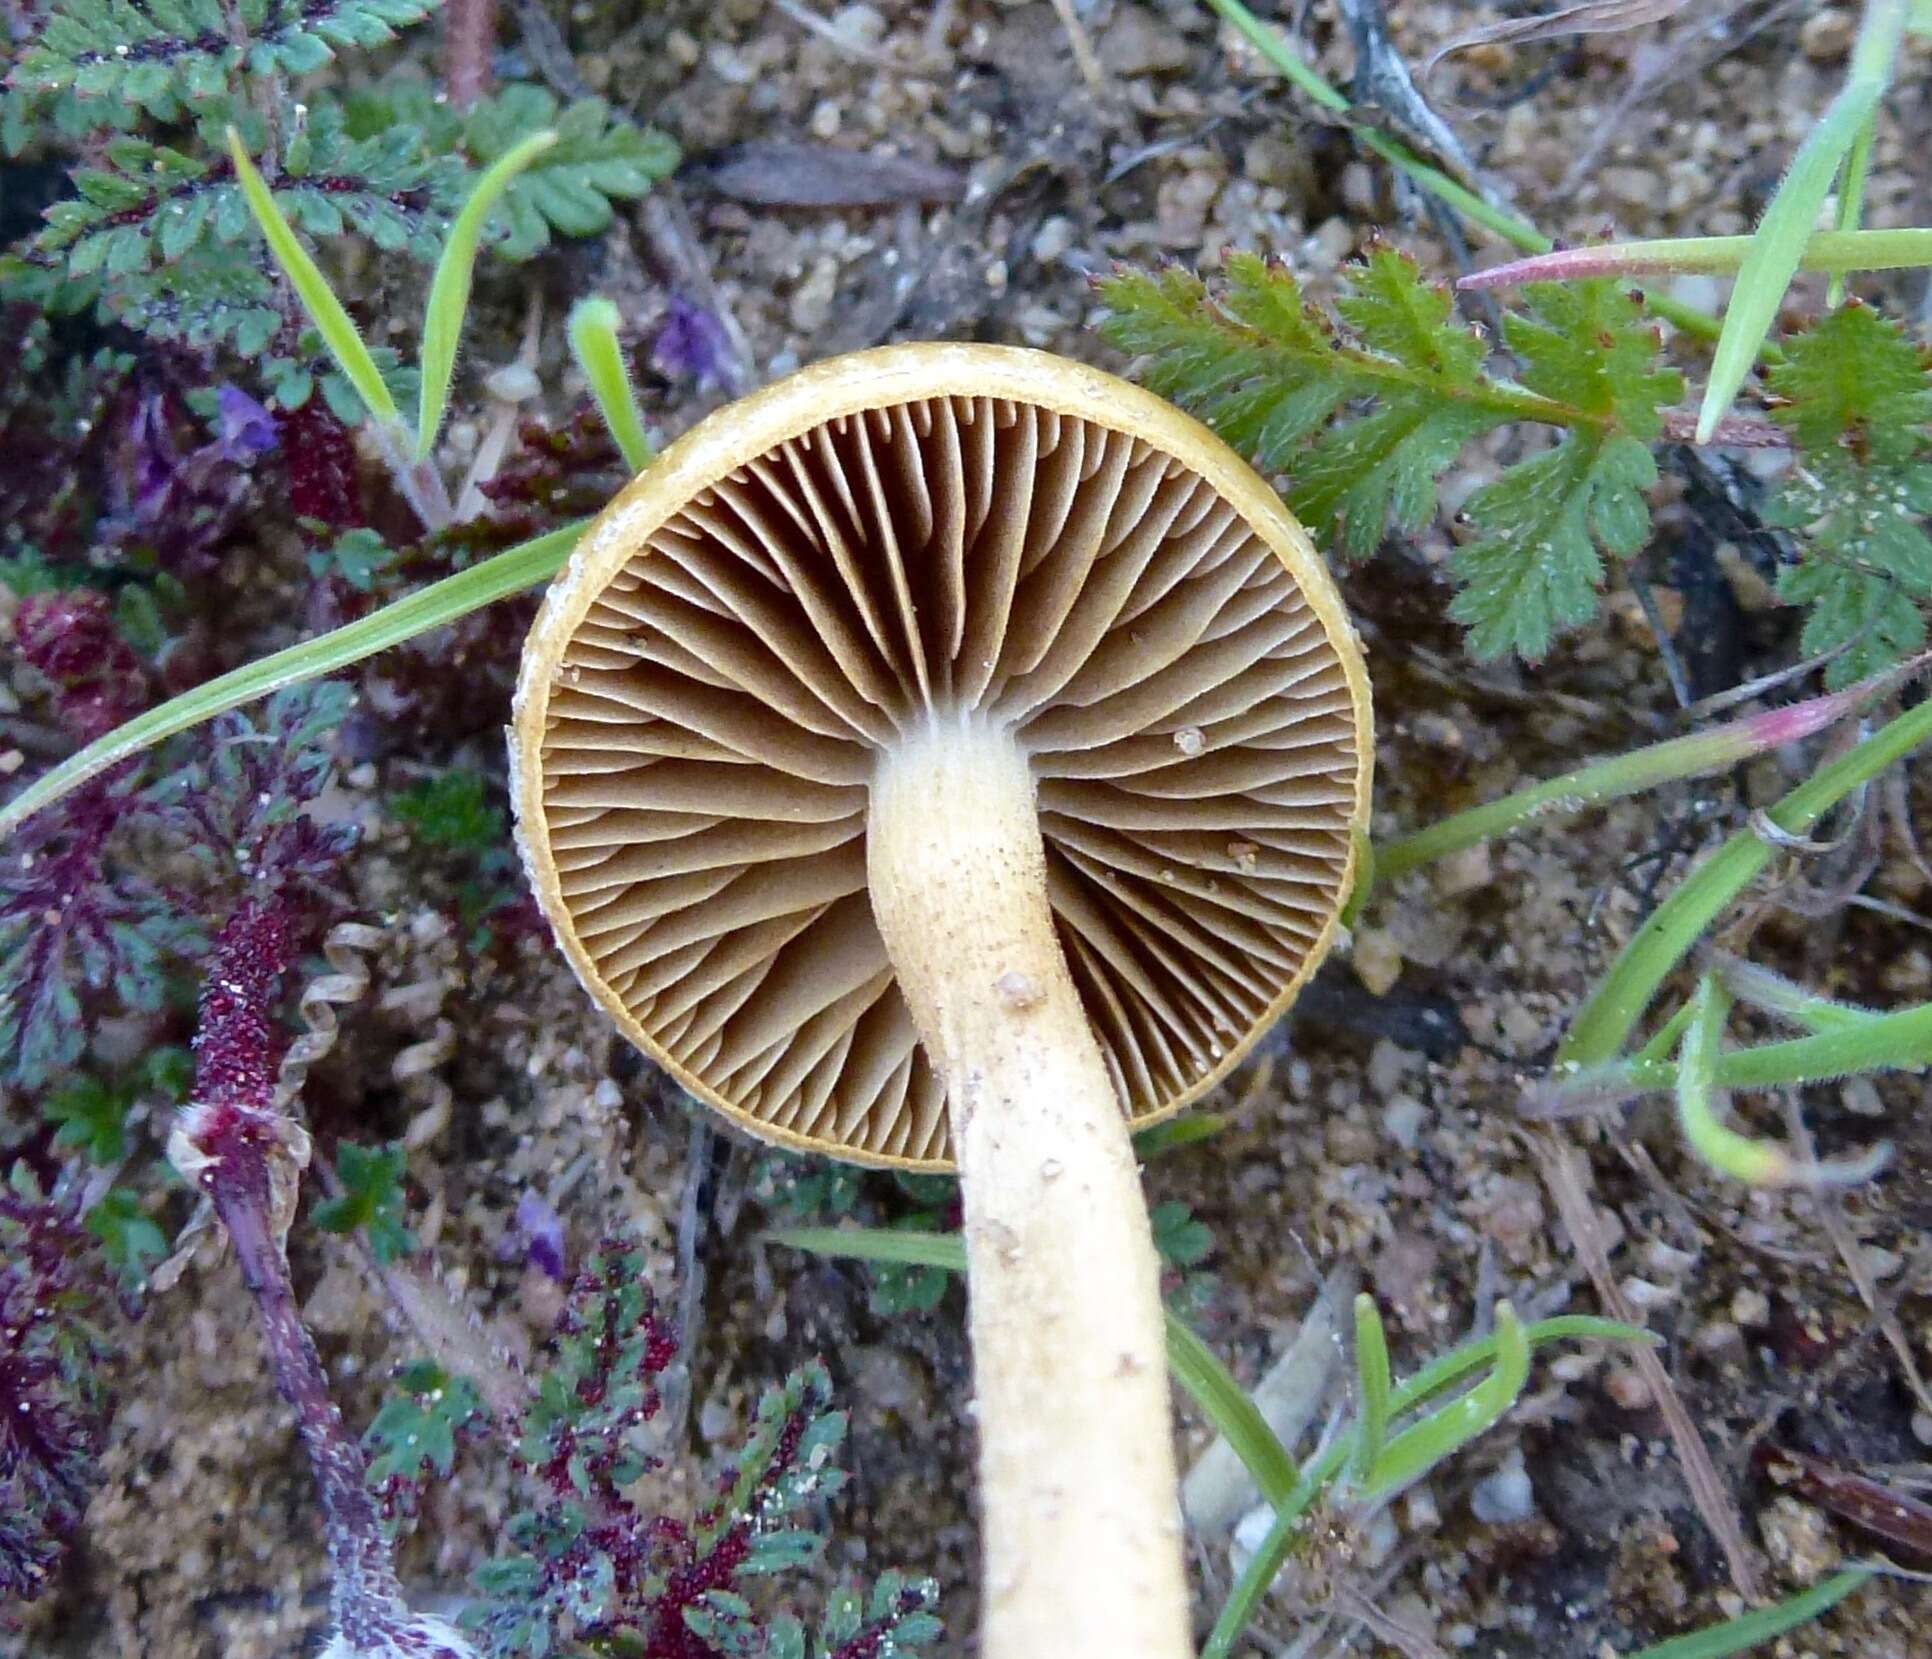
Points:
(1856, 395)
(1366, 411)
(339, 333)
(1534, 568)
(357, 556)
(414, 1434)
(449, 292)
(1179, 1236)
(1275, 378)
(167, 57)
(599, 157)
(131, 1242)
(92, 1115)
(1854, 378)
(1588, 346)
(451, 810)
(429, 607)
(1535, 564)
(371, 1199)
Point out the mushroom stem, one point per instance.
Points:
(1081, 1549)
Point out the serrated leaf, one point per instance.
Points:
(1856, 394)
(1534, 568)
(1589, 345)
(1363, 417)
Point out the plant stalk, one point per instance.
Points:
(367, 1600)
(1676, 925)
(1081, 1534)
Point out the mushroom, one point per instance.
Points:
(953, 756)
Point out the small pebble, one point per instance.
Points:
(1136, 42)
(1378, 960)
(1627, 1388)
(1799, 1539)
(1504, 1498)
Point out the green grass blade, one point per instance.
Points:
(1777, 248)
(1789, 221)
(1700, 1117)
(1837, 252)
(877, 1244)
(594, 343)
(1448, 1369)
(1273, 1550)
(1415, 1451)
(1745, 1632)
(1441, 1373)
(449, 291)
(495, 578)
(1372, 1388)
(1194, 1365)
(1714, 750)
(332, 322)
(1675, 926)
(1223, 1402)
(1851, 198)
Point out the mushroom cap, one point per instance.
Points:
(800, 578)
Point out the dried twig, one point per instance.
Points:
(1083, 52)
(469, 39)
(1565, 1175)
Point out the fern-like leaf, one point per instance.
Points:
(1535, 565)
(151, 204)
(1856, 397)
(1534, 570)
(1269, 372)
(167, 56)
(599, 158)
(1364, 412)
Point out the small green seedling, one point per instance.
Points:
(1393, 1442)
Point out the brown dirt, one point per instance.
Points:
(1348, 1145)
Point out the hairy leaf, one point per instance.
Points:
(165, 56)
(1856, 396)
(1365, 411)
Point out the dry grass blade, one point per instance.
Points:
(1592, 17)
(1562, 1174)
(1883, 1511)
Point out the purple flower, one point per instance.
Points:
(543, 1233)
(177, 495)
(691, 345)
(244, 429)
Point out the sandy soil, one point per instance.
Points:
(1383, 1132)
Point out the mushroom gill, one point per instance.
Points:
(716, 716)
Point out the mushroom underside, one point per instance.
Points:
(716, 717)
